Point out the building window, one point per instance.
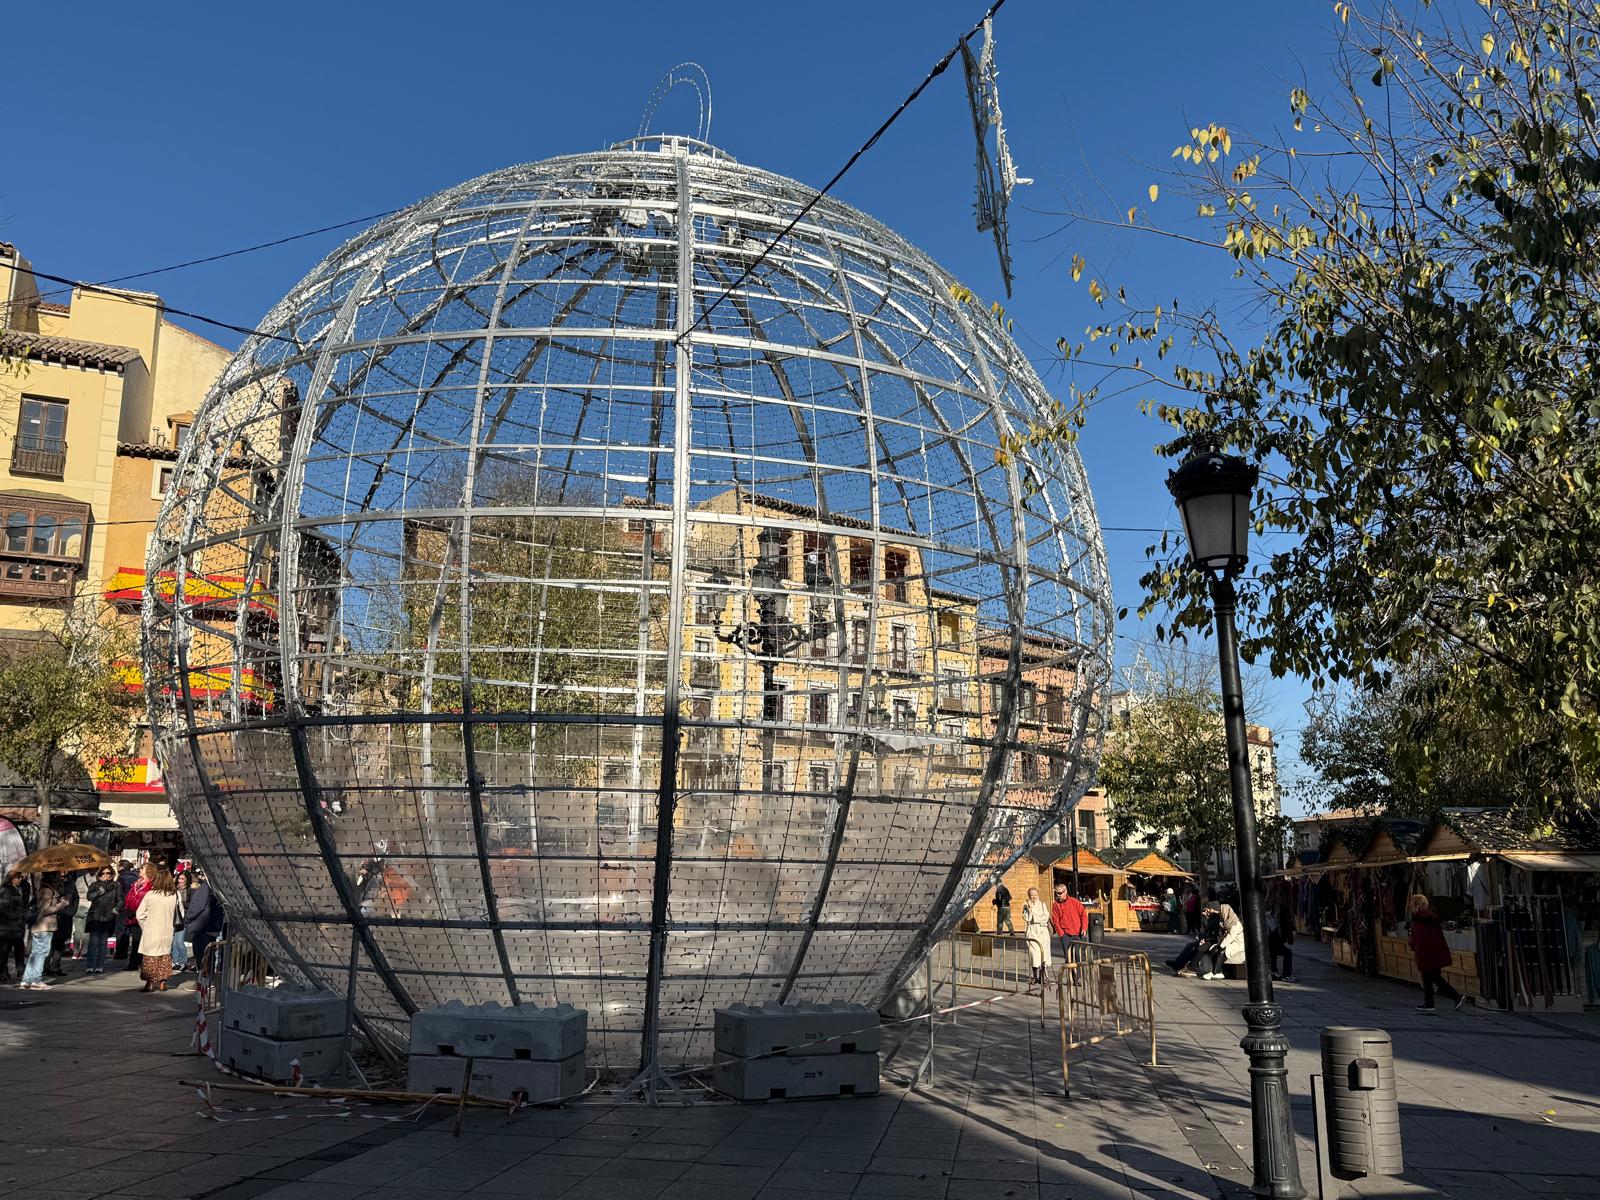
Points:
(819, 708)
(853, 712)
(815, 555)
(905, 714)
(772, 704)
(952, 688)
(950, 630)
(40, 447)
(860, 566)
(819, 631)
(772, 777)
(858, 642)
(772, 548)
(180, 434)
(707, 608)
(1030, 768)
(820, 779)
(896, 564)
(1054, 705)
(1087, 834)
(905, 781)
(163, 480)
(899, 648)
(1029, 703)
(43, 546)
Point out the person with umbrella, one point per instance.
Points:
(43, 930)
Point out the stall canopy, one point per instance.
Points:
(1144, 862)
(1553, 862)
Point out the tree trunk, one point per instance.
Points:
(41, 790)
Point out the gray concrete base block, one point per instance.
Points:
(797, 1029)
(483, 1031)
(274, 1059)
(498, 1078)
(804, 1075)
(284, 1012)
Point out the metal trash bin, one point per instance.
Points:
(1097, 927)
(1362, 1111)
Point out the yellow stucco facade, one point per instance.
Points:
(96, 389)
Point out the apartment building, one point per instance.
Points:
(97, 392)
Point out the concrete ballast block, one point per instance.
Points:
(781, 1077)
(796, 1029)
(274, 1059)
(284, 1012)
(485, 1031)
(530, 1080)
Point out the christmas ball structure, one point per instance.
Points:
(611, 581)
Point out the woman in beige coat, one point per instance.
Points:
(1036, 928)
(157, 911)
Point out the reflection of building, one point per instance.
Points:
(103, 397)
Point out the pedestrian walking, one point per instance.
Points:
(1280, 937)
(1002, 910)
(104, 898)
(131, 930)
(180, 912)
(157, 910)
(203, 918)
(1169, 905)
(1036, 927)
(13, 924)
(1069, 920)
(1432, 953)
(47, 908)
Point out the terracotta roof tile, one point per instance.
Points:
(68, 351)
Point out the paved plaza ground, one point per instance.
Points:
(1492, 1105)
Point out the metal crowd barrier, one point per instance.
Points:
(1103, 995)
(227, 965)
(992, 962)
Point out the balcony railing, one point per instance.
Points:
(34, 455)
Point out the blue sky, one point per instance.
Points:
(180, 132)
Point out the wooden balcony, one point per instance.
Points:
(41, 456)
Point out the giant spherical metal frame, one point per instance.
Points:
(535, 618)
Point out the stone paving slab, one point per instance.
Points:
(1491, 1105)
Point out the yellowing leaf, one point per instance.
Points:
(1155, 190)
(1077, 267)
(1131, 213)
(1487, 43)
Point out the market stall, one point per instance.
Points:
(1521, 913)
(1148, 875)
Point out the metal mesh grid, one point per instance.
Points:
(452, 650)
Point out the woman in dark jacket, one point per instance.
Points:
(1433, 953)
(13, 923)
(105, 897)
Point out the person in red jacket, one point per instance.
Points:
(1433, 953)
(1069, 921)
(130, 910)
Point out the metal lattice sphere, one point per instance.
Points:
(558, 601)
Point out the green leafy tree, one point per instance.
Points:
(1415, 747)
(64, 701)
(1165, 769)
(1419, 253)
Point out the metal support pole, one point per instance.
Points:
(1077, 891)
(1277, 1165)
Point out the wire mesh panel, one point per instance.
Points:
(564, 626)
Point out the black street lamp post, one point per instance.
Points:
(1213, 492)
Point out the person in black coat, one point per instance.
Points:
(13, 924)
(105, 902)
(203, 918)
